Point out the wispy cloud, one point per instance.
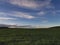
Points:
(24, 3)
(33, 4)
(44, 19)
(3, 14)
(6, 18)
(17, 14)
(58, 11)
(41, 13)
(23, 15)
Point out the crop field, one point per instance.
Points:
(21, 36)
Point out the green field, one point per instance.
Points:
(30, 36)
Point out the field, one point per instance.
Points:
(21, 36)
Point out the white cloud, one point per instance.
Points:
(23, 15)
(41, 13)
(17, 14)
(31, 3)
(6, 18)
(24, 3)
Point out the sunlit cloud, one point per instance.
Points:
(24, 3)
(33, 4)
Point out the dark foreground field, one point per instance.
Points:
(30, 36)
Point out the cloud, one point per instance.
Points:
(33, 4)
(23, 15)
(55, 12)
(58, 11)
(43, 19)
(24, 3)
(6, 18)
(3, 14)
(41, 13)
(17, 14)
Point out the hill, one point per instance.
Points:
(56, 27)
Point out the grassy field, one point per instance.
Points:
(49, 36)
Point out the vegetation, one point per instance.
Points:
(21, 36)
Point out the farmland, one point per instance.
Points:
(45, 36)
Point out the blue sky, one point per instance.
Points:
(43, 13)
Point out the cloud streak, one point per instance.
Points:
(24, 3)
(6, 18)
(23, 15)
(17, 14)
(41, 13)
(33, 4)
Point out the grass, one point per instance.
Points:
(21, 36)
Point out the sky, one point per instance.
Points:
(40, 13)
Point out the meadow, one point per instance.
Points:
(43, 36)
